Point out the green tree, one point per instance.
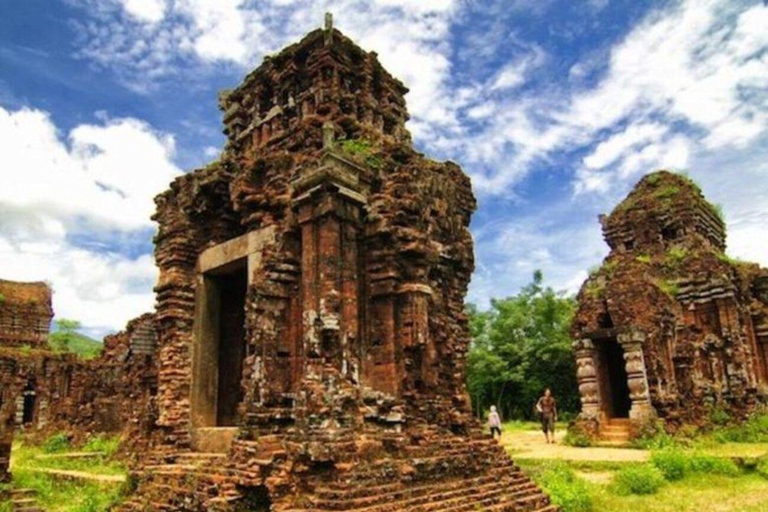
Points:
(520, 347)
(65, 334)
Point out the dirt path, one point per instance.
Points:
(529, 444)
(82, 475)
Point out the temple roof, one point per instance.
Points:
(14, 292)
(663, 207)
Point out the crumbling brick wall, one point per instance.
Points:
(356, 255)
(690, 319)
(25, 313)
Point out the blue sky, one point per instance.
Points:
(554, 107)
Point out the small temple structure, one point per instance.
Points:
(669, 327)
(43, 390)
(310, 309)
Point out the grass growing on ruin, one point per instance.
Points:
(57, 494)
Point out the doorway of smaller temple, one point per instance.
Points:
(614, 388)
(30, 397)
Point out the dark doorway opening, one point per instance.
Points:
(231, 289)
(614, 388)
(30, 397)
(254, 499)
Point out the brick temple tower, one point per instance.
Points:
(669, 326)
(310, 315)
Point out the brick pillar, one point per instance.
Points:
(328, 201)
(637, 378)
(586, 376)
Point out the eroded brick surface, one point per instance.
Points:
(691, 324)
(42, 391)
(349, 254)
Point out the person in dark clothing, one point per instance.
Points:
(547, 409)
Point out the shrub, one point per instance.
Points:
(754, 430)
(638, 479)
(719, 416)
(566, 489)
(56, 443)
(762, 466)
(652, 436)
(707, 464)
(644, 258)
(363, 149)
(577, 438)
(673, 463)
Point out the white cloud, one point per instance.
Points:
(106, 174)
(97, 182)
(410, 38)
(150, 11)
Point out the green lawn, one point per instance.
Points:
(55, 494)
(708, 482)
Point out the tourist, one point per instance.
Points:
(547, 409)
(494, 422)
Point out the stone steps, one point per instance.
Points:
(615, 432)
(24, 500)
(454, 492)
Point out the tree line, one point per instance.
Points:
(521, 346)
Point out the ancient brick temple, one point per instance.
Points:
(25, 313)
(25, 318)
(669, 326)
(312, 335)
(43, 391)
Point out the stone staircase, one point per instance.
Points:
(23, 500)
(171, 482)
(615, 432)
(440, 476)
(433, 474)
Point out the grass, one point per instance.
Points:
(64, 495)
(693, 472)
(700, 493)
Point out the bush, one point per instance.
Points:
(638, 479)
(719, 416)
(672, 463)
(652, 436)
(762, 466)
(566, 489)
(710, 465)
(56, 443)
(577, 439)
(754, 430)
(675, 464)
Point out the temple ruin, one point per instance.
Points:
(310, 317)
(669, 327)
(44, 391)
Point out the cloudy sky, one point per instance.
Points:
(554, 107)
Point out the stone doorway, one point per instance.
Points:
(219, 349)
(28, 404)
(613, 380)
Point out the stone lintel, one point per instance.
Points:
(247, 246)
